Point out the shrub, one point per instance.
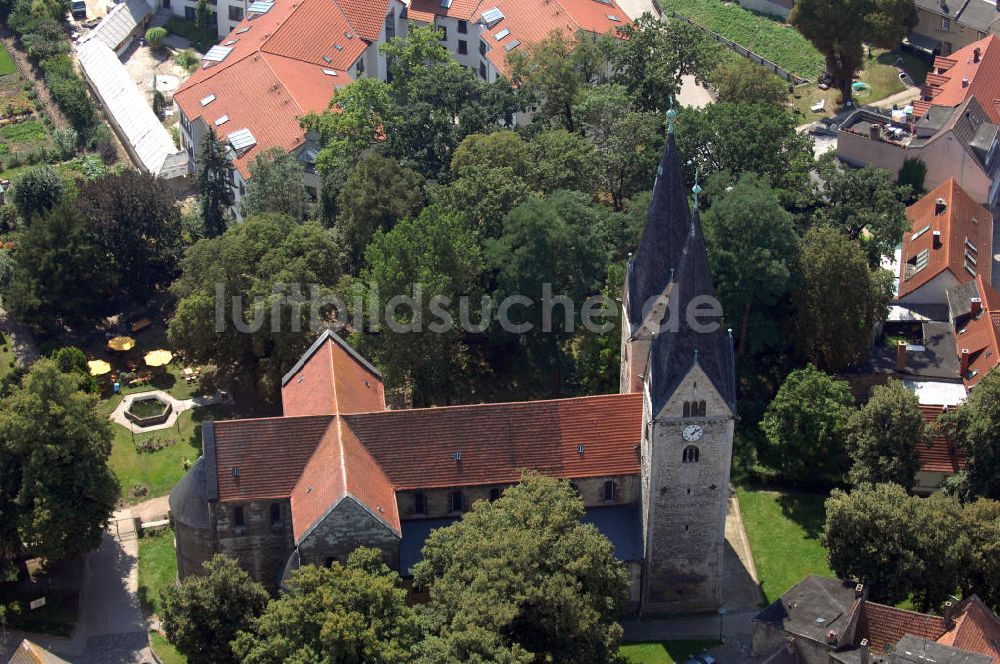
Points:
(66, 141)
(155, 36)
(187, 60)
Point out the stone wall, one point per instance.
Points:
(194, 546)
(346, 527)
(260, 546)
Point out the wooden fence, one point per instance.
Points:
(746, 53)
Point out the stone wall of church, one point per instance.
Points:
(687, 503)
(194, 546)
(438, 502)
(262, 545)
(345, 528)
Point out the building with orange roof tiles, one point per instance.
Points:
(973, 70)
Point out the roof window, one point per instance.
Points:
(920, 232)
(968, 243)
(612, 17)
(491, 17)
(918, 262)
(329, 72)
(222, 120)
(500, 35)
(207, 99)
(446, 4)
(510, 46)
(231, 42)
(244, 29)
(216, 54)
(241, 140)
(260, 7)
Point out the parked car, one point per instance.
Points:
(79, 9)
(906, 79)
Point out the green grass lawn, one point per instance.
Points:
(165, 651)
(784, 531)
(158, 471)
(667, 652)
(7, 65)
(157, 568)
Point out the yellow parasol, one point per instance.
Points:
(158, 358)
(98, 367)
(122, 343)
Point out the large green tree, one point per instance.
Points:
(982, 526)
(434, 260)
(56, 489)
(883, 437)
(353, 613)
(36, 191)
(526, 571)
(740, 80)
(839, 301)
(752, 245)
(215, 186)
(838, 28)
(973, 427)
(137, 225)
(562, 160)
(246, 300)
(276, 186)
(482, 197)
(805, 426)
(203, 615)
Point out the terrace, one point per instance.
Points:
(894, 127)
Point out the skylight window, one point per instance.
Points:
(217, 53)
(223, 119)
(918, 262)
(329, 72)
(971, 246)
(510, 46)
(327, 59)
(206, 100)
(241, 139)
(491, 17)
(338, 47)
(260, 7)
(920, 232)
(500, 35)
(242, 30)
(971, 269)
(612, 17)
(446, 4)
(231, 42)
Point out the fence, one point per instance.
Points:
(746, 53)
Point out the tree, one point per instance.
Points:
(36, 191)
(215, 185)
(71, 359)
(882, 437)
(415, 53)
(805, 426)
(56, 489)
(869, 538)
(866, 204)
(912, 174)
(837, 30)
(981, 521)
(562, 160)
(155, 36)
(752, 246)
(434, 257)
(276, 185)
(740, 137)
(250, 300)
(973, 427)
(482, 151)
(204, 20)
(653, 55)
(482, 198)
(839, 300)
(940, 551)
(549, 71)
(62, 278)
(137, 225)
(378, 193)
(739, 80)
(552, 587)
(355, 613)
(203, 615)
(554, 240)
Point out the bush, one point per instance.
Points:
(155, 36)
(70, 93)
(66, 141)
(187, 60)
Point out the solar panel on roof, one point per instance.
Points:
(260, 7)
(500, 35)
(206, 100)
(492, 16)
(241, 139)
(511, 45)
(223, 119)
(217, 53)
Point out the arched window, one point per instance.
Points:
(701, 409)
(690, 454)
(687, 409)
(609, 490)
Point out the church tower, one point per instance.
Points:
(677, 352)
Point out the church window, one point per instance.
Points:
(420, 503)
(687, 409)
(239, 518)
(609, 490)
(701, 409)
(275, 513)
(494, 494)
(457, 501)
(690, 454)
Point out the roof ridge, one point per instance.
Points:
(281, 418)
(281, 83)
(496, 404)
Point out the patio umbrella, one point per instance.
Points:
(98, 367)
(122, 344)
(158, 358)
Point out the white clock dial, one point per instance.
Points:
(693, 432)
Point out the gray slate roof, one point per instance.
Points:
(915, 650)
(979, 15)
(189, 498)
(813, 607)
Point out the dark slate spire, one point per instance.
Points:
(663, 236)
(678, 346)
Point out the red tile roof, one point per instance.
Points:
(417, 448)
(330, 379)
(981, 336)
(424, 11)
(275, 72)
(270, 454)
(976, 629)
(941, 456)
(946, 88)
(885, 625)
(963, 221)
(531, 21)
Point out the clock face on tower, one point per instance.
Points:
(692, 432)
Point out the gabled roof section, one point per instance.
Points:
(963, 74)
(263, 458)
(366, 16)
(977, 629)
(885, 625)
(424, 11)
(331, 377)
(963, 245)
(814, 607)
(677, 347)
(941, 456)
(663, 237)
(980, 335)
(495, 443)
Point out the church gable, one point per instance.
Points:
(345, 526)
(695, 396)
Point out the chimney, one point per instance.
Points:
(900, 359)
(873, 132)
(859, 590)
(964, 369)
(863, 652)
(965, 81)
(949, 613)
(937, 239)
(940, 205)
(976, 53)
(975, 307)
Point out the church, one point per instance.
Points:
(338, 470)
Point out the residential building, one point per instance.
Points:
(282, 61)
(945, 26)
(828, 621)
(482, 33)
(977, 332)
(651, 463)
(959, 142)
(971, 71)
